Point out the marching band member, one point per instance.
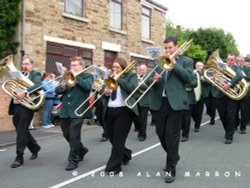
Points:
(23, 116)
(197, 108)
(227, 107)
(170, 102)
(187, 116)
(245, 102)
(118, 117)
(71, 124)
(143, 104)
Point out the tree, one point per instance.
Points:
(194, 51)
(9, 16)
(211, 39)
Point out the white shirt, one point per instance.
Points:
(119, 101)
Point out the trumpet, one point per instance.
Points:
(166, 64)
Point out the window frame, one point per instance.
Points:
(82, 8)
(149, 16)
(120, 2)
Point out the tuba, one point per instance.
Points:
(34, 99)
(218, 73)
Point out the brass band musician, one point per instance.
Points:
(71, 124)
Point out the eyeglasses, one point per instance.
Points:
(75, 65)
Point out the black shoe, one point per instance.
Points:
(212, 122)
(83, 152)
(16, 164)
(71, 166)
(228, 142)
(196, 130)
(34, 155)
(141, 138)
(112, 172)
(103, 139)
(169, 179)
(184, 139)
(243, 132)
(170, 176)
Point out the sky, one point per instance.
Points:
(231, 16)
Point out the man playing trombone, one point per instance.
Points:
(72, 97)
(171, 101)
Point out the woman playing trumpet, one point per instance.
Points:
(118, 117)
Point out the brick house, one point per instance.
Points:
(97, 30)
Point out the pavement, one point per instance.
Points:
(8, 138)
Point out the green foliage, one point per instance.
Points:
(211, 39)
(194, 51)
(9, 16)
(205, 41)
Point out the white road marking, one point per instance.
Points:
(89, 173)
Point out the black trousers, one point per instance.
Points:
(143, 119)
(227, 109)
(21, 120)
(118, 121)
(168, 127)
(71, 128)
(186, 123)
(210, 103)
(243, 109)
(197, 111)
(99, 116)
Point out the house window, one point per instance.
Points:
(62, 53)
(75, 7)
(145, 23)
(109, 58)
(116, 14)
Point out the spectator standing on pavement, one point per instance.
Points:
(50, 96)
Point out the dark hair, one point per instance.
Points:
(171, 39)
(45, 75)
(121, 61)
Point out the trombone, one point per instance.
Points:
(166, 64)
(111, 83)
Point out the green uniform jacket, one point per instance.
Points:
(145, 100)
(208, 88)
(72, 97)
(234, 80)
(178, 77)
(127, 83)
(190, 90)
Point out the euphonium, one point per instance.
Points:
(34, 99)
(218, 73)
